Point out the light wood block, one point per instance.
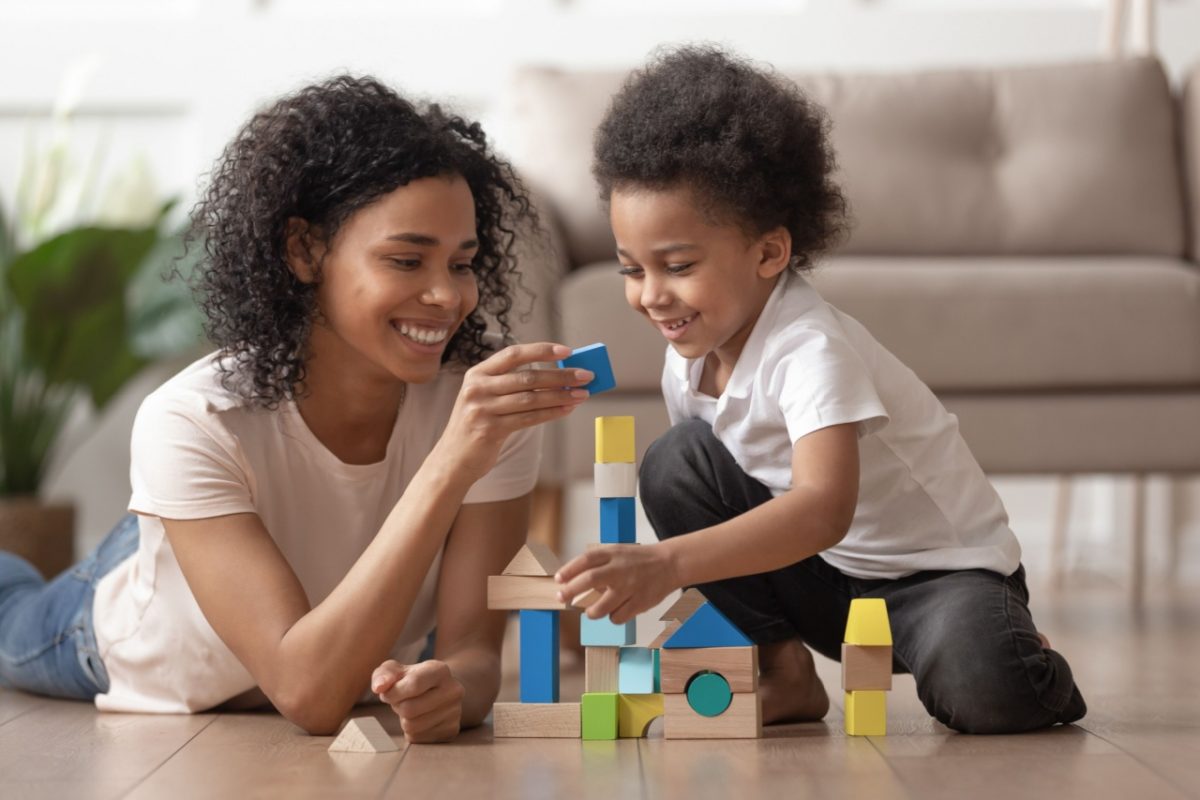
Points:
(518, 592)
(615, 440)
(742, 720)
(615, 480)
(866, 713)
(667, 632)
(635, 712)
(684, 607)
(601, 669)
(866, 667)
(535, 559)
(867, 622)
(363, 735)
(737, 665)
(536, 720)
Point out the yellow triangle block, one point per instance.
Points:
(866, 713)
(615, 440)
(635, 712)
(868, 622)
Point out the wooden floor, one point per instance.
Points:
(1140, 740)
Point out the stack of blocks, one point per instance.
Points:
(867, 667)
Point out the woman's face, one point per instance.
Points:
(397, 281)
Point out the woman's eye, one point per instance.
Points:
(466, 266)
(406, 263)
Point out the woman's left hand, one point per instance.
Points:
(426, 697)
(630, 579)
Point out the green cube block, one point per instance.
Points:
(600, 715)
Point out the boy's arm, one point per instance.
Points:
(810, 517)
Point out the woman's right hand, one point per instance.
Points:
(498, 398)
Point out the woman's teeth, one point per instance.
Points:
(423, 335)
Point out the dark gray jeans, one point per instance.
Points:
(966, 636)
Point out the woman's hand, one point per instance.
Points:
(629, 578)
(426, 697)
(498, 398)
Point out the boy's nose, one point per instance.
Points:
(654, 294)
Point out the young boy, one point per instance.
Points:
(806, 465)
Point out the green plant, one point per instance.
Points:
(81, 313)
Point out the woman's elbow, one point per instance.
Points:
(311, 710)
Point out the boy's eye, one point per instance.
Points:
(630, 271)
(675, 269)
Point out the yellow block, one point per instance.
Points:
(614, 440)
(866, 713)
(868, 622)
(635, 712)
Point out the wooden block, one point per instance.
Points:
(866, 713)
(600, 714)
(635, 712)
(586, 599)
(636, 671)
(707, 627)
(667, 632)
(601, 669)
(594, 357)
(618, 520)
(867, 622)
(615, 480)
(615, 442)
(684, 607)
(738, 665)
(536, 720)
(533, 560)
(539, 656)
(603, 633)
(742, 720)
(866, 667)
(708, 694)
(363, 735)
(515, 592)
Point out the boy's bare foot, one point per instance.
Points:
(788, 683)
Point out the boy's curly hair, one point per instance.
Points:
(322, 154)
(747, 142)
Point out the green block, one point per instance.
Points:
(600, 712)
(657, 673)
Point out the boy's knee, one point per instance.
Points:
(674, 458)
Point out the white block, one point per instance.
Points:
(363, 735)
(616, 480)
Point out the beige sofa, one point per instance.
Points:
(1024, 238)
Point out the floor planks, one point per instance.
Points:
(1140, 739)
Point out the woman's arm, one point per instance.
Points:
(810, 517)
(435, 699)
(314, 662)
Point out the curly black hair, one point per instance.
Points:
(321, 154)
(748, 143)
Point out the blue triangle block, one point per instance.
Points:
(708, 628)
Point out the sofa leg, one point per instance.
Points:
(1063, 487)
(1137, 542)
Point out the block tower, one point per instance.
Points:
(867, 667)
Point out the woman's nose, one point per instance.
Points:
(441, 291)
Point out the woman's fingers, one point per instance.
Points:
(594, 557)
(436, 726)
(519, 355)
(385, 676)
(431, 700)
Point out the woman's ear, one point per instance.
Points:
(775, 252)
(301, 250)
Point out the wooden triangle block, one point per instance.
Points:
(363, 735)
(534, 560)
(667, 632)
(684, 607)
(708, 628)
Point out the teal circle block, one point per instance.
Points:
(708, 694)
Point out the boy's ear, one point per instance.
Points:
(302, 249)
(775, 252)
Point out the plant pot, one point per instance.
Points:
(41, 533)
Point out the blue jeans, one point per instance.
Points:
(965, 635)
(47, 641)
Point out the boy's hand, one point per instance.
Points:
(425, 696)
(630, 579)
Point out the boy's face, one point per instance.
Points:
(701, 283)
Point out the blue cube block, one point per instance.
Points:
(594, 357)
(635, 671)
(603, 633)
(618, 520)
(539, 656)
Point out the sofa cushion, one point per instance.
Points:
(965, 324)
(1055, 159)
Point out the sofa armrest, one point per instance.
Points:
(1189, 114)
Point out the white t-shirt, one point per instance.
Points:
(200, 451)
(924, 503)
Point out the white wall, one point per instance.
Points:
(174, 79)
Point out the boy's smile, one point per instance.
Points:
(702, 283)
